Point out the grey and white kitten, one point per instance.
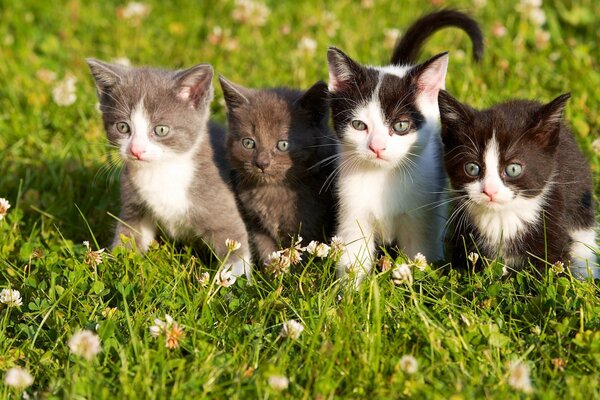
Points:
(173, 173)
(391, 178)
(278, 145)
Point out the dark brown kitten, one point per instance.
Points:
(523, 188)
(278, 146)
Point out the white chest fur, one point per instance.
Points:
(164, 187)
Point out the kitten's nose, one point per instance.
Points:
(136, 152)
(490, 190)
(262, 162)
(377, 149)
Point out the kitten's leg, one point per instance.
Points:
(141, 228)
(357, 258)
(239, 261)
(421, 234)
(264, 245)
(583, 257)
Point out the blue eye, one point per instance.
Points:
(283, 145)
(513, 170)
(161, 130)
(358, 125)
(248, 143)
(401, 127)
(472, 169)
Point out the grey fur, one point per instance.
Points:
(180, 100)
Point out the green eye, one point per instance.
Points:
(358, 125)
(123, 127)
(514, 170)
(248, 143)
(472, 169)
(401, 126)
(283, 145)
(161, 130)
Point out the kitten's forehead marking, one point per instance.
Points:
(140, 121)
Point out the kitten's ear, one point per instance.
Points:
(106, 75)
(549, 119)
(453, 115)
(316, 101)
(235, 95)
(342, 69)
(431, 76)
(194, 85)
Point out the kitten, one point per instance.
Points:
(276, 141)
(172, 173)
(523, 188)
(390, 165)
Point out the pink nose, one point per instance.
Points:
(490, 190)
(136, 152)
(377, 149)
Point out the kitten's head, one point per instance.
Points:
(274, 133)
(385, 115)
(503, 154)
(152, 114)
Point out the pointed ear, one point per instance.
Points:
(194, 85)
(235, 95)
(453, 115)
(549, 119)
(342, 69)
(316, 101)
(106, 75)
(431, 76)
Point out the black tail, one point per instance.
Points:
(408, 47)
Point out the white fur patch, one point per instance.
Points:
(584, 261)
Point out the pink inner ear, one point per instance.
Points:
(433, 79)
(184, 93)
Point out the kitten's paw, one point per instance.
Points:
(241, 268)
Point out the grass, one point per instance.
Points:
(463, 328)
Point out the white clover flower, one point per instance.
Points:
(134, 9)
(4, 206)
(291, 329)
(558, 267)
(409, 364)
(11, 297)
(337, 247)
(278, 263)
(473, 258)
(402, 274)
(18, 378)
(420, 261)
(519, 377)
(92, 258)
(172, 330)
(85, 344)
(204, 279)
(278, 382)
(252, 12)
(307, 46)
(225, 277)
(317, 249)
(64, 92)
(232, 245)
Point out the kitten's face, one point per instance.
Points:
(273, 133)
(153, 115)
(384, 115)
(502, 155)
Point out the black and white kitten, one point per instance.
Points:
(523, 188)
(174, 173)
(278, 143)
(390, 164)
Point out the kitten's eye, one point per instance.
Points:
(248, 143)
(514, 170)
(161, 130)
(123, 127)
(358, 125)
(401, 127)
(283, 145)
(472, 169)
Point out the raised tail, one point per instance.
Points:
(408, 47)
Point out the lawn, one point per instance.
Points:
(466, 335)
